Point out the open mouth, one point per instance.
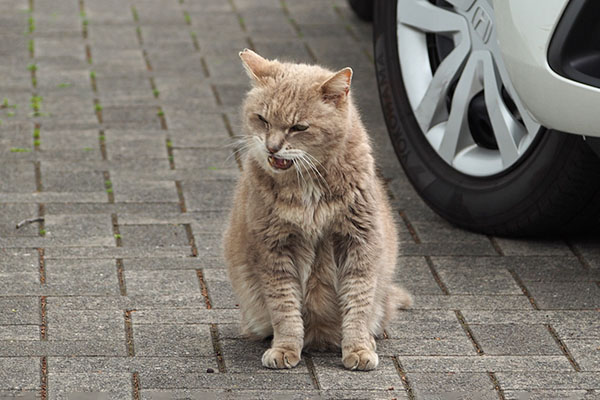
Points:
(280, 163)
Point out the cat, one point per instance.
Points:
(311, 243)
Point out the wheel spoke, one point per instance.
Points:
(462, 4)
(424, 16)
(468, 85)
(432, 104)
(507, 130)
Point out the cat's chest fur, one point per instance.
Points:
(308, 207)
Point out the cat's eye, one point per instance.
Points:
(298, 128)
(262, 119)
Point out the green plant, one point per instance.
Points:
(169, 143)
(93, 74)
(37, 142)
(42, 232)
(32, 67)
(65, 85)
(156, 92)
(160, 113)
(19, 150)
(36, 133)
(118, 236)
(87, 149)
(98, 107)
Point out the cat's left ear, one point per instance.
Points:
(257, 67)
(336, 88)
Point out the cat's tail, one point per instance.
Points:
(403, 298)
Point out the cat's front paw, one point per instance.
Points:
(280, 358)
(360, 359)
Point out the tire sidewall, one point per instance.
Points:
(475, 203)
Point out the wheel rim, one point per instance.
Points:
(466, 106)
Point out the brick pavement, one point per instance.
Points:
(115, 125)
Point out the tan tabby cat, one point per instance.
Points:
(311, 244)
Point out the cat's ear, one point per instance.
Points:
(336, 88)
(257, 67)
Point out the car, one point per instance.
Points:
(493, 109)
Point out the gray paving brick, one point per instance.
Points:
(167, 340)
(66, 324)
(17, 177)
(79, 276)
(566, 295)
(455, 385)
(499, 339)
(533, 247)
(586, 353)
(209, 195)
(19, 373)
(549, 380)
(474, 276)
(19, 332)
(333, 376)
(161, 282)
(432, 364)
(111, 386)
(153, 235)
(19, 310)
(415, 275)
(184, 316)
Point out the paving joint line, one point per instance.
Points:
(43, 378)
(350, 30)
(116, 232)
(403, 377)
(468, 332)
(310, 365)
(42, 219)
(410, 227)
(129, 333)
(523, 288)
(436, 276)
(108, 187)
(215, 338)
(203, 289)
(495, 245)
(135, 384)
(497, 386)
(191, 240)
(43, 319)
(563, 348)
(42, 265)
(188, 23)
(121, 276)
(580, 257)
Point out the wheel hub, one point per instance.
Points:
(465, 105)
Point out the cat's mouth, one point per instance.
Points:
(279, 163)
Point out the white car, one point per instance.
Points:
(478, 97)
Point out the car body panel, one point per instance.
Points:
(525, 30)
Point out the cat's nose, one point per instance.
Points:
(274, 147)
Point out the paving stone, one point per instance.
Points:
(110, 386)
(282, 381)
(13, 213)
(153, 235)
(172, 340)
(161, 282)
(184, 316)
(455, 385)
(333, 376)
(499, 339)
(471, 302)
(586, 353)
(474, 276)
(203, 158)
(533, 247)
(19, 332)
(549, 380)
(65, 324)
(484, 363)
(19, 310)
(30, 348)
(566, 295)
(219, 289)
(209, 195)
(415, 275)
(19, 373)
(78, 276)
(17, 177)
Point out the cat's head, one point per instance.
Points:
(295, 115)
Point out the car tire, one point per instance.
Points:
(362, 8)
(553, 188)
